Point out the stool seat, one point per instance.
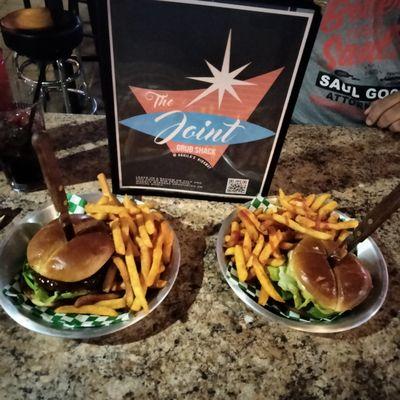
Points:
(28, 19)
(48, 37)
(34, 33)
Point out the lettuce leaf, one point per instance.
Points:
(290, 288)
(317, 311)
(40, 296)
(273, 273)
(289, 284)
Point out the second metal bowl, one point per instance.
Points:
(371, 257)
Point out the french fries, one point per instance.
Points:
(263, 297)
(265, 281)
(134, 278)
(115, 304)
(149, 223)
(240, 263)
(117, 237)
(143, 243)
(91, 208)
(144, 235)
(259, 245)
(136, 303)
(168, 241)
(302, 229)
(248, 223)
(130, 205)
(263, 237)
(156, 263)
(120, 264)
(91, 309)
(160, 284)
(247, 246)
(94, 298)
(145, 256)
(109, 279)
(106, 189)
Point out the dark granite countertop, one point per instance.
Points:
(202, 342)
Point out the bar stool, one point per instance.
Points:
(45, 40)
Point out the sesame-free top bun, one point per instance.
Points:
(50, 255)
(353, 282)
(311, 269)
(339, 287)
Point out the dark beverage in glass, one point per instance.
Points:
(17, 156)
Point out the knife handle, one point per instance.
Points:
(52, 175)
(375, 218)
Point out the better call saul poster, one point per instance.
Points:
(202, 93)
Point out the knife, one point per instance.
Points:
(52, 175)
(375, 218)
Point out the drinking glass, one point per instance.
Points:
(18, 121)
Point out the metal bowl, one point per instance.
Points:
(372, 259)
(13, 255)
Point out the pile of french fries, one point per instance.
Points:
(143, 243)
(264, 237)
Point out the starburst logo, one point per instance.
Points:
(204, 122)
(222, 81)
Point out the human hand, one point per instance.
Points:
(385, 113)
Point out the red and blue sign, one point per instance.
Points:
(201, 92)
(208, 120)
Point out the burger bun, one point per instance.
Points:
(339, 286)
(52, 256)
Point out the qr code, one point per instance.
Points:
(236, 186)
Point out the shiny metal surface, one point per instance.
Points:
(372, 259)
(12, 257)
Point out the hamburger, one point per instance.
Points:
(58, 270)
(321, 284)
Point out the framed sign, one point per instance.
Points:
(199, 94)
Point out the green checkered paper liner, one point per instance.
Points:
(253, 290)
(259, 202)
(76, 205)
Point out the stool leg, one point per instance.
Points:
(42, 74)
(64, 88)
(15, 62)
